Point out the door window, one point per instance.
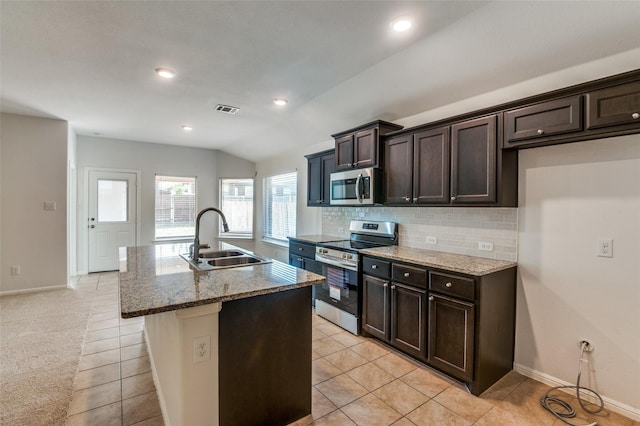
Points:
(113, 200)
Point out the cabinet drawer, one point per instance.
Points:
(376, 267)
(452, 285)
(545, 119)
(409, 275)
(302, 249)
(614, 106)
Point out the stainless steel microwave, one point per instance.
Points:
(355, 187)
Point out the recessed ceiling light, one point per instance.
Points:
(165, 72)
(401, 24)
(280, 101)
(187, 128)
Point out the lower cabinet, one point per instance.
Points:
(451, 336)
(459, 324)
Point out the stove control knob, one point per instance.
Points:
(349, 256)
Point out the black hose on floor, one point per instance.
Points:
(563, 409)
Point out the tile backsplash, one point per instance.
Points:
(456, 229)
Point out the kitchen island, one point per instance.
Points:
(230, 346)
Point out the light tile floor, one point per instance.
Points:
(356, 381)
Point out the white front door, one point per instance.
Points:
(112, 217)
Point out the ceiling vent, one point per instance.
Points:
(227, 109)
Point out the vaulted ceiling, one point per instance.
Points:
(337, 62)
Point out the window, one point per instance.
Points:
(236, 202)
(280, 207)
(175, 206)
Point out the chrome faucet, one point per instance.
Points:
(195, 247)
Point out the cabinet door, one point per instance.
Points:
(614, 106)
(398, 167)
(451, 336)
(473, 161)
(409, 319)
(375, 307)
(365, 145)
(314, 181)
(344, 152)
(546, 119)
(431, 165)
(328, 167)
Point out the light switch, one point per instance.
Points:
(50, 205)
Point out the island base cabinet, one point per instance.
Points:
(451, 336)
(265, 359)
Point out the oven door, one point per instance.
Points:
(340, 288)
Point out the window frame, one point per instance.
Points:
(266, 209)
(155, 210)
(236, 234)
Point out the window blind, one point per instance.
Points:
(280, 206)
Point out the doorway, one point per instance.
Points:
(112, 220)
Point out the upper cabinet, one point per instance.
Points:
(417, 167)
(360, 147)
(319, 169)
(557, 117)
(614, 106)
(459, 164)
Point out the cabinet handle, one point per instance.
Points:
(299, 259)
(540, 132)
(385, 285)
(393, 287)
(635, 115)
(415, 200)
(407, 199)
(374, 266)
(406, 274)
(431, 298)
(453, 198)
(448, 285)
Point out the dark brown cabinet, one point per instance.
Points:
(543, 120)
(302, 255)
(474, 151)
(395, 311)
(417, 168)
(614, 106)
(319, 169)
(360, 147)
(460, 324)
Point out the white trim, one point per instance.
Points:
(274, 242)
(33, 290)
(611, 404)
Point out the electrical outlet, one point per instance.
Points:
(340, 230)
(604, 248)
(15, 269)
(201, 349)
(50, 205)
(485, 246)
(431, 240)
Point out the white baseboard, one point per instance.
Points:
(156, 380)
(32, 290)
(610, 404)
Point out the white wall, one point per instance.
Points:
(151, 159)
(570, 196)
(34, 170)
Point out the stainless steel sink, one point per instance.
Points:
(212, 260)
(221, 253)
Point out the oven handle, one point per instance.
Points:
(322, 259)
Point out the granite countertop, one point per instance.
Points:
(469, 265)
(314, 239)
(155, 279)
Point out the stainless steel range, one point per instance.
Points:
(339, 298)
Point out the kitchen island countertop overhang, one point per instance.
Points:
(155, 279)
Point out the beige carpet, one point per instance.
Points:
(41, 337)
